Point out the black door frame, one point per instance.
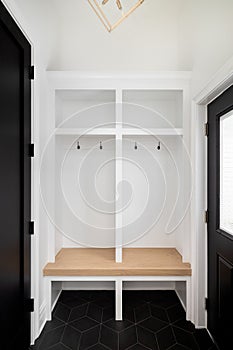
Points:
(25, 45)
(221, 81)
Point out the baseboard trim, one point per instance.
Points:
(42, 316)
(56, 299)
(165, 285)
(181, 301)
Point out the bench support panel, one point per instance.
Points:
(118, 289)
(118, 300)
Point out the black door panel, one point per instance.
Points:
(220, 241)
(15, 183)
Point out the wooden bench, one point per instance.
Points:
(139, 264)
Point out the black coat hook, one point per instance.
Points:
(78, 145)
(135, 146)
(101, 146)
(159, 146)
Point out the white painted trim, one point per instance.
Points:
(175, 75)
(118, 178)
(125, 131)
(109, 285)
(16, 14)
(48, 294)
(216, 85)
(113, 278)
(118, 307)
(84, 132)
(149, 132)
(86, 81)
(42, 316)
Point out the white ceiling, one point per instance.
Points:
(160, 35)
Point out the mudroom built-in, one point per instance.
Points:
(116, 178)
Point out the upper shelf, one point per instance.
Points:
(155, 110)
(123, 131)
(152, 109)
(83, 132)
(154, 131)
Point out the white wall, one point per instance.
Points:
(212, 38)
(152, 38)
(161, 35)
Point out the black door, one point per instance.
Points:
(220, 225)
(15, 184)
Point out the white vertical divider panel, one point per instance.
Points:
(51, 227)
(118, 178)
(186, 251)
(118, 293)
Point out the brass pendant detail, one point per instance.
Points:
(101, 10)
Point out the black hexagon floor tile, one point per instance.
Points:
(73, 302)
(109, 338)
(159, 312)
(108, 313)
(147, 338)
(89, 338)
(132, 299)
(71, 337)
(127, 338)
(166, 338)
(78, 312)
(179, 347)
(59, 346)
(138, 347)
(176, 312)
(153, 324)
(51, 338)
(70, 294)
(203, 339)
(163, 299)
(55, 323)
(98, 347)
(128, 313)
(185, 338)
(142, 312)
(95, 312)
(118, 326)
(185, 325)
(62, 312)
(155, 320)
(84, 324)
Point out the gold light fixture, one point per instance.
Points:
(104, 9)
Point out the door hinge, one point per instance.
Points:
(31, 228)
(29, 305)
(32, 73)
(207, 129)
(206, 216)
(206, 304)
(31, 150)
